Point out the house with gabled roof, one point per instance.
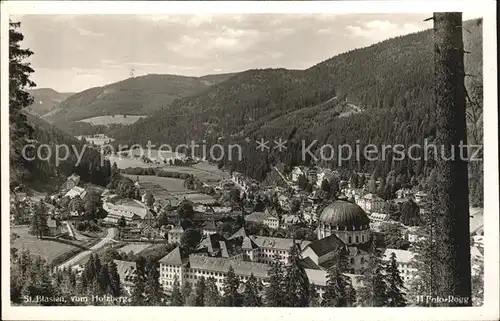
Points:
(209, 227)
(76, 191)
(127, 273)
(175, 234)
(54, 227)
(371, 203)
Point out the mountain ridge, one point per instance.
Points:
(140, 95)
(45, 100)
(390, 81)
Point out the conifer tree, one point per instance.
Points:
(104, 280)
(94, 289)
(39, 220)
(374, 290)
(395, 285)
(37, 280)
(138, 298)
(114, 279)
(153, 290)
(211, 296)
(231, 297)
(89, 273)
(451, 194)
(97, 265)
(296, 282)
(187, 289)
(339, 291)
(313, 296)
(424, 282)
(176, 298)
(19, 98)
(251, 297)
(275, 289)
(478, 286)
(200, 292)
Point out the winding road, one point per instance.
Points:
(74, 260)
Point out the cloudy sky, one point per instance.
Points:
(76, 52)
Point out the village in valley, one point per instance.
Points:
(204, 226)
(261, 220)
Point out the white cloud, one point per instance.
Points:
(326, 30)
(378, 30)
(86, 32)
(285, 31)
(200, 19)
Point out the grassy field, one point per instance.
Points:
(46, 248)
(124, 162)
(134, 247)
(169, 188)
(172, 185)
(115, 119)
(208, 173)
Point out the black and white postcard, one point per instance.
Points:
(270, 156)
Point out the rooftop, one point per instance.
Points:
(256, 217)
(172, 258)
(209, 225)
(130, 202)
(277, 242)
(126, 269)
(75, 191)
(326, 245)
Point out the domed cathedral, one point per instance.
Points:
(347, 221)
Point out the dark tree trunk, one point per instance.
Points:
(453, 275)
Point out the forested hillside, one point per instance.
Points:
(45, 100)
(392, 83)
(44, 167)
(134, 96)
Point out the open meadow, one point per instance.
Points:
(134, 248)
(46, 248)
(166, 188)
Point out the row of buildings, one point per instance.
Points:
(342, 226)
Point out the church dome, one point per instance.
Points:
(344, 215)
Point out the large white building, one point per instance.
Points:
(76, 191)
(132, 210)
(266, 218)
(405, 260)
(343, 227)
(371, 203)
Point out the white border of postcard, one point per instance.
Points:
(471, 9)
